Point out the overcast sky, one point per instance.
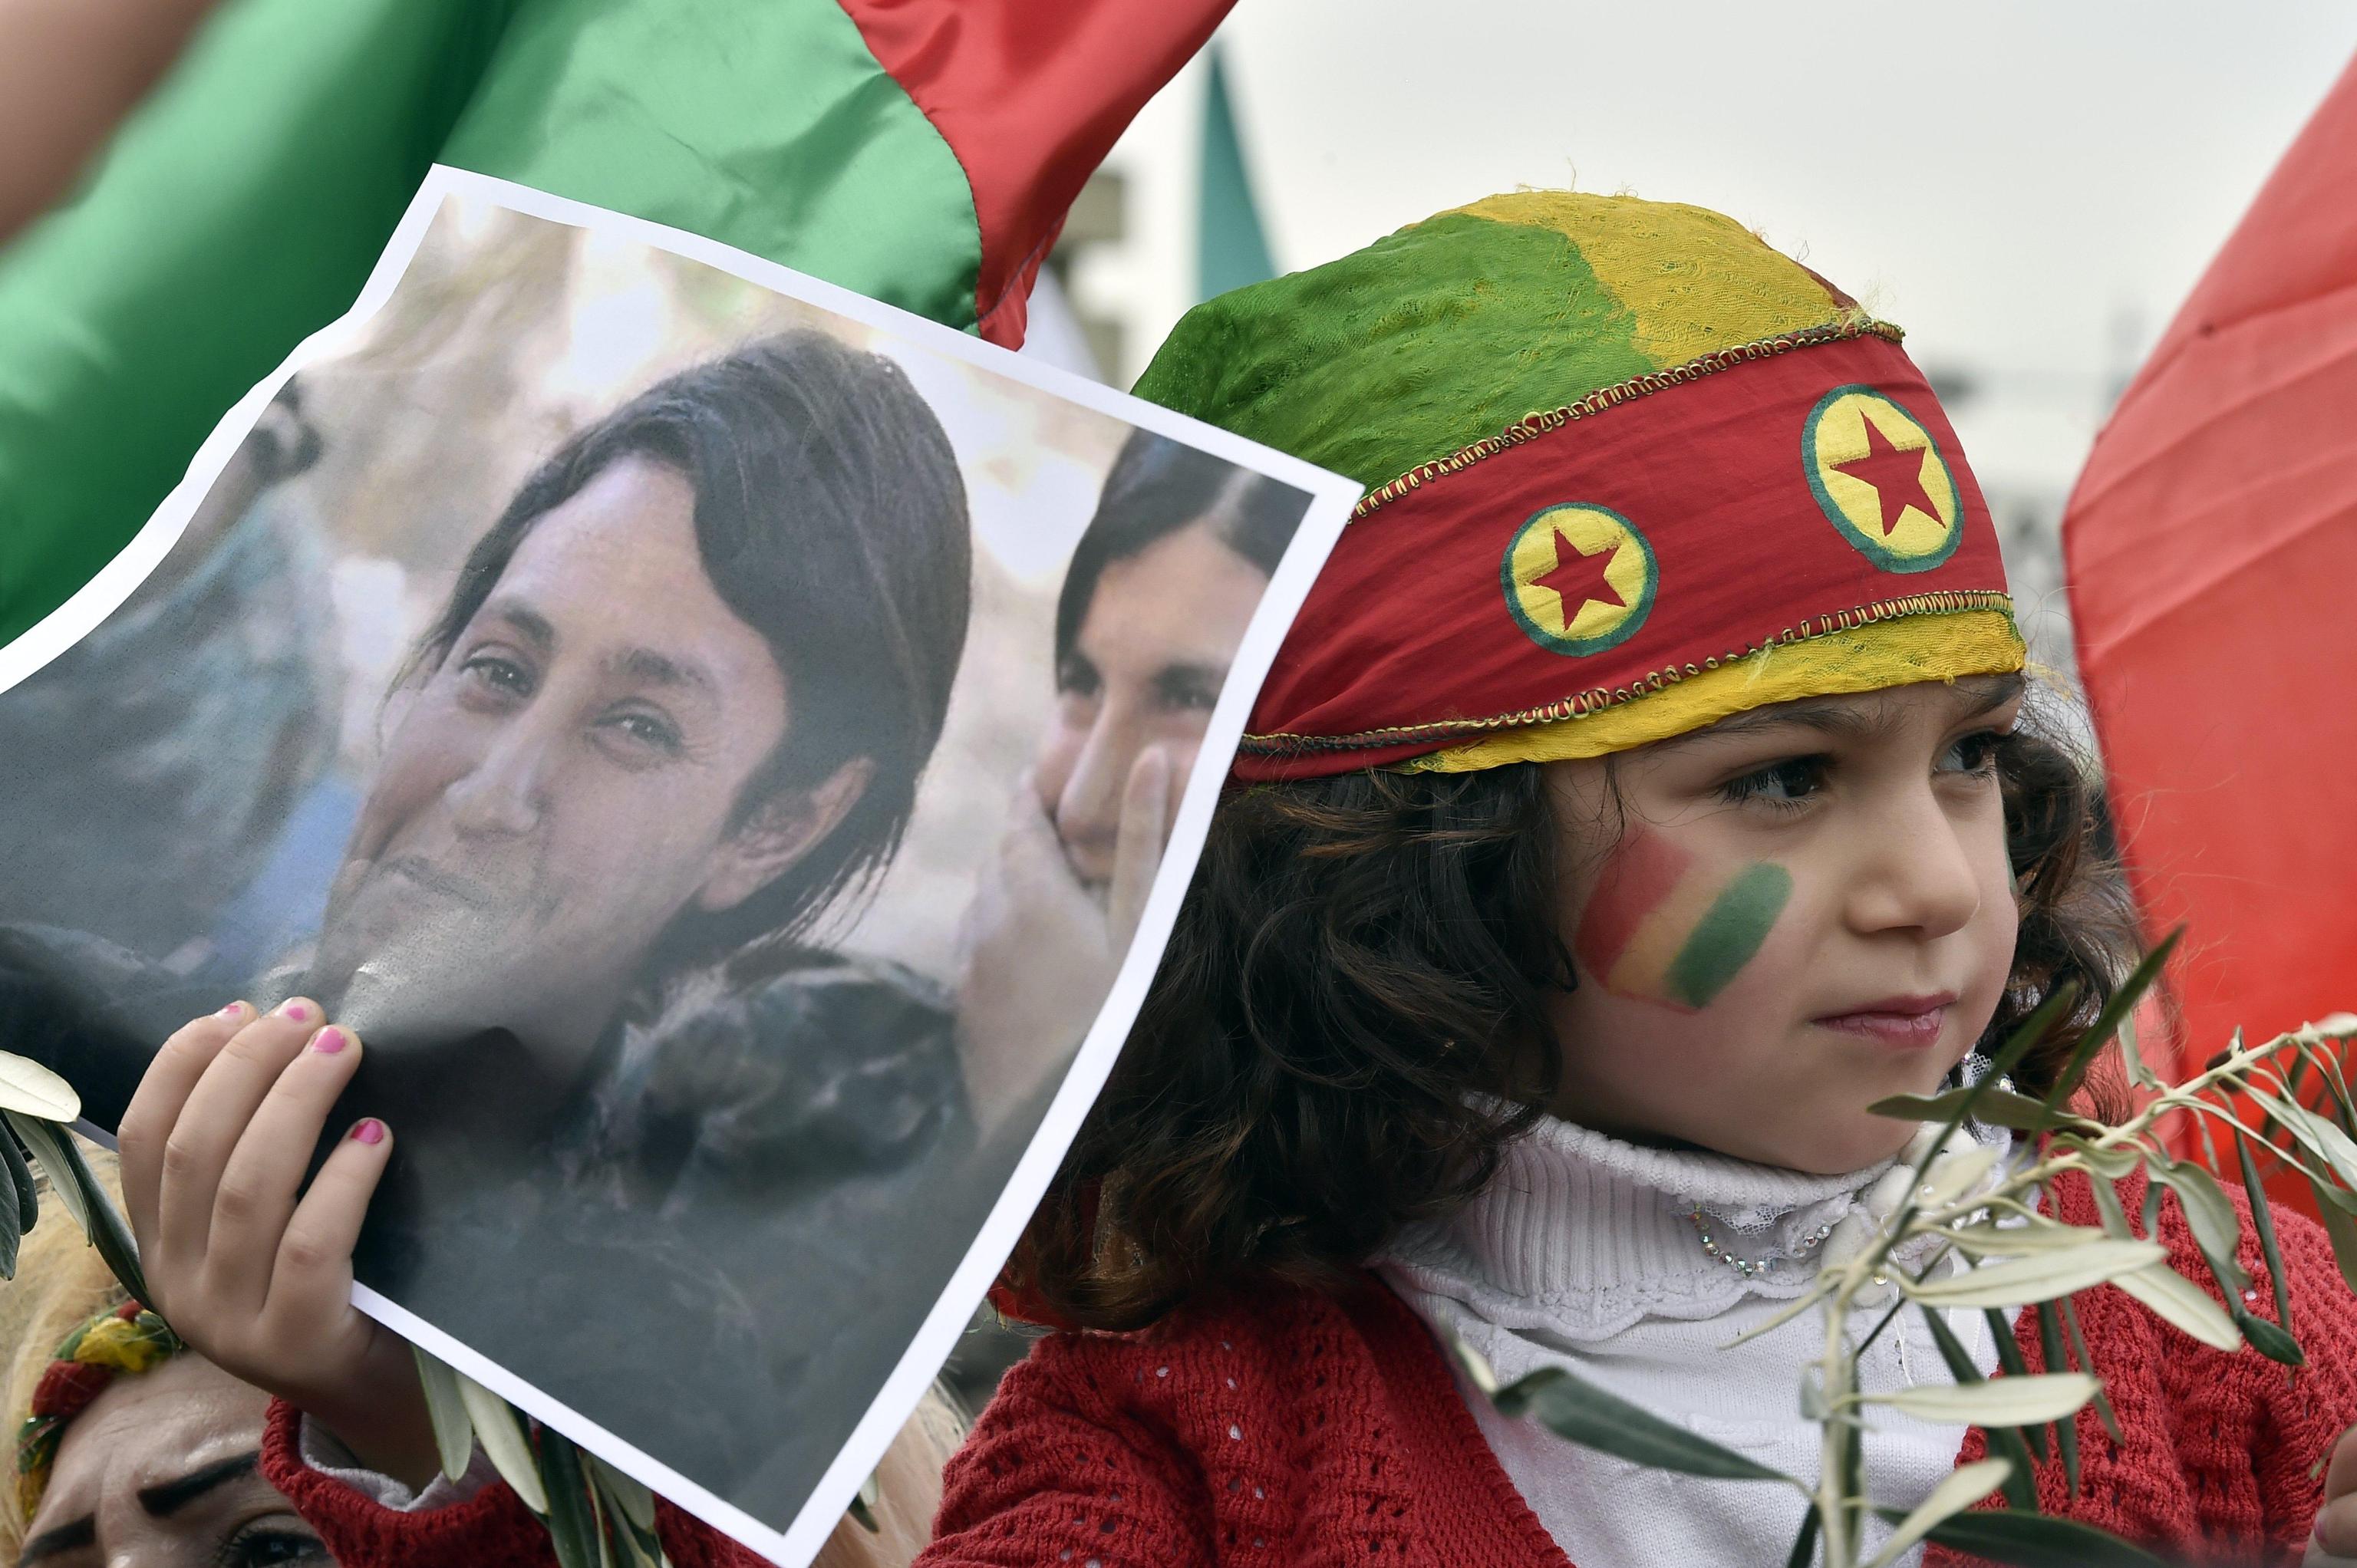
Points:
(2029, 188)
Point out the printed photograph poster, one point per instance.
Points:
(732, 750)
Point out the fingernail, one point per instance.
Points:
(370, 1131)
(329, 1040)
(298, 1011)
(234, 1010)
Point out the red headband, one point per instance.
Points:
(1597, 557)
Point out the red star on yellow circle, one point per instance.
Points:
(1896, 473)
(1578, 577)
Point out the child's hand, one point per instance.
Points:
(214, 1146)
(2334, 1541)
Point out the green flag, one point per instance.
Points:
(1231, 252)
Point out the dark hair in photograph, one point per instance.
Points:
(832, 519)
(1158, 486)
(1351, 1021)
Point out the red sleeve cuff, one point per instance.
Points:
(490, 1529)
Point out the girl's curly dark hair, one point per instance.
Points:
(1351, 1020)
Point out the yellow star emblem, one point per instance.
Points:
(1579, 578)
(1881, 479)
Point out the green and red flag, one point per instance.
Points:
(922, 151)
(2211, 545)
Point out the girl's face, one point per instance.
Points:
(1783, 919)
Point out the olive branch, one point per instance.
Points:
(1999, 1221)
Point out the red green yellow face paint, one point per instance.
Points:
(1663, 927)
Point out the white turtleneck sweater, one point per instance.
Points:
(1584, 1253)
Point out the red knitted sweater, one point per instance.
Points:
(1297, 1427)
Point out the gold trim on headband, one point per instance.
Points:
(1869, 658)
(1538, 423)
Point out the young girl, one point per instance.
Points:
(1641, 796)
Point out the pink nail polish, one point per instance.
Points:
(297, 1011)
(370, 1131)
(329, 1040)
(235, 1009)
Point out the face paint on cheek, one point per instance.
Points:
(1661, 928)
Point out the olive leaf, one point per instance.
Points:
(501, 1431)
(454, 1431)
(2114, 1163)
(21, 1173)
(865, 1502)
(1804, 1544)
(572, 1521)
(629, 1494)
(2270, 1340)
(630, 1509)
(2041, 1276)
(28, 1089)
(2107, 1207)
(14, 1221)
(2132, 1058)
(1997, 1107)
(2066, 1433)
(2115, 1011)
(1950, 1179)
(1571, 1407)
(2262, 1222)
(2033, 1541)
(2032, 1401)
(78, 1187)
(2209, 1215)
(2320, 1137)
(2078, 1353)
(2008, 1360)
(600, 1527)
(2040, 1235)
(42, 1142)
(2339, 1228)
(2178, 1300)
(1958, 1490)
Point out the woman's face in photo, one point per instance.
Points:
(1145, 669)
(162, 1471)
(565, 782)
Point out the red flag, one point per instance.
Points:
(2211, 548)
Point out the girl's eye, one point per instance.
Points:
(263, 1542)
(1975, 753)
(1784, 783)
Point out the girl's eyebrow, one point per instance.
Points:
(1975, 695)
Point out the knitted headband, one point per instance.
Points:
(1633, 471)
(127, 1338)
